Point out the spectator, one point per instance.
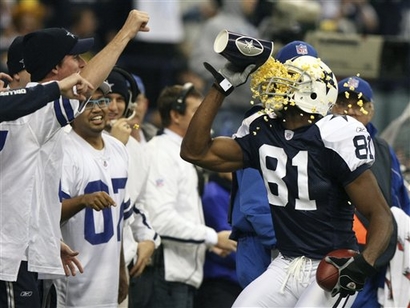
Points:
(140, 239)
(49, 54)
(173, 203)
(95, 207)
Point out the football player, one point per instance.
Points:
(312, 165)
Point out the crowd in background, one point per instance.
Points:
(182, 34)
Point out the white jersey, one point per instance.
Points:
(30, 170)
(95, 234)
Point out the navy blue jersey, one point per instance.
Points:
(305, 172)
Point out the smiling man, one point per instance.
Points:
(94, 207)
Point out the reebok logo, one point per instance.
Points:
(26, 293)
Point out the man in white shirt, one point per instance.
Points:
(172, 200)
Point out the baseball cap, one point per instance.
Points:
(119, 85)
(15, 61)
(44, 49)
(295, 49)
(356, 85)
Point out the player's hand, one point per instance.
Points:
(98, 200)
(230, 77)
(75, 87)
(224, 242)
(121, 130)
(144, 252)
(4, 80)
(69, 260)
(353, 272)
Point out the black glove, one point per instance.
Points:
(229, 77)
(352, 274)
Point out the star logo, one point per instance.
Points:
(70, 34)
(328, 80)
(249, 46)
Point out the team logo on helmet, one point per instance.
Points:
(249, 46)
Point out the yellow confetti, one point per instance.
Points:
(136, 126)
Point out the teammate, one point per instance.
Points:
(16, 103)
(94, 207)
(30, 232)
(312, 164)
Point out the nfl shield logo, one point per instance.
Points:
(301, 49)
(289, 134)
(352, 82)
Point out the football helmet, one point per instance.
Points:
(305, 81)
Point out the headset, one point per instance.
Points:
(180, 105)
(132, 89)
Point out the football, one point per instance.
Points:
(327, 274)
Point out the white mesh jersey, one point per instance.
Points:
(95, 234)
(30, 170)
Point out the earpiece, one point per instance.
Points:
(133, 89)
(180, 105)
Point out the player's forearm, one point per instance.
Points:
(72, 206)
(20, 102)
(197, 139)
(378, 236)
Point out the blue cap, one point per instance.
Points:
(295, 49)
(356, 85)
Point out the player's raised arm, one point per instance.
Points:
(221, 154)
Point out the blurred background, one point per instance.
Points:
(366, 37)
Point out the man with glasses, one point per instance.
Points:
(94, 208)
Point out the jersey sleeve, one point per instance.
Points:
(350, 143)
(21, 102)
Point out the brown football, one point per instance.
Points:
(327, 274)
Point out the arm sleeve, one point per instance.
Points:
(20, 102)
